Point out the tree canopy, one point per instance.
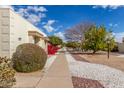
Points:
(73, 45)
(96, 39)
(54, 40)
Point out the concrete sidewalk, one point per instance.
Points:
(30, 80)
(58, 75)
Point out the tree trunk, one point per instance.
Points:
(94, 51)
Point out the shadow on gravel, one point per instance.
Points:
(79, 58)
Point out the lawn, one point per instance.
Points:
(101, 58)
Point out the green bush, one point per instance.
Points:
(28, 58)
(115, 49)
(7, 73)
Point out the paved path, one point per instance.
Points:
(30, 80)
(58, 75)
(55, 75)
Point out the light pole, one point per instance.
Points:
(108, 43)
(109, 38)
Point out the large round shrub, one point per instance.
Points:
(29, 57)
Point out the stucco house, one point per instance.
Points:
(121, 46)
(15, 30)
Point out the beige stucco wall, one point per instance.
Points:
(4, 32)
(43, 44)
(16, 32)
(121, 47)
(31, 39)
(18, 29)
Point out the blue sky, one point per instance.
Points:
(54, 20)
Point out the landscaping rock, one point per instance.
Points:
(107, 76)
(85, 83)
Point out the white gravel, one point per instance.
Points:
(107, 76)
(121, 55)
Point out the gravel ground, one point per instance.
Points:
(121, 56)
(107, 76)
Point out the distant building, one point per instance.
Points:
(123, 40)
(121, 46)
(15, 30)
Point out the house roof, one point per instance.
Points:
(37, 34)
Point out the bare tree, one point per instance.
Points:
(76, 33)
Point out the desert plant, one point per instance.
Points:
(7, 73)
(28, 58)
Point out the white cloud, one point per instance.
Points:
(100, 6)
(43, 23)
(119, 36)
(108, 6)
(114, 6)
(50, 22)
(23, 12)
(59, 27)
(113, 25)
(110, 24)
(48, 26)
(32, 17)
(36, 8)
(61, 35)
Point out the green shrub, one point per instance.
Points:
(29, 57)
(115, 48)
(7, 73)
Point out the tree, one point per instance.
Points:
(54, 40)
(110, 38)
(76, 33)
(74, 45)
(63, 44)
(95, 39)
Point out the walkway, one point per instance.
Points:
(30, 80)
(55, 75)
(58, 75)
